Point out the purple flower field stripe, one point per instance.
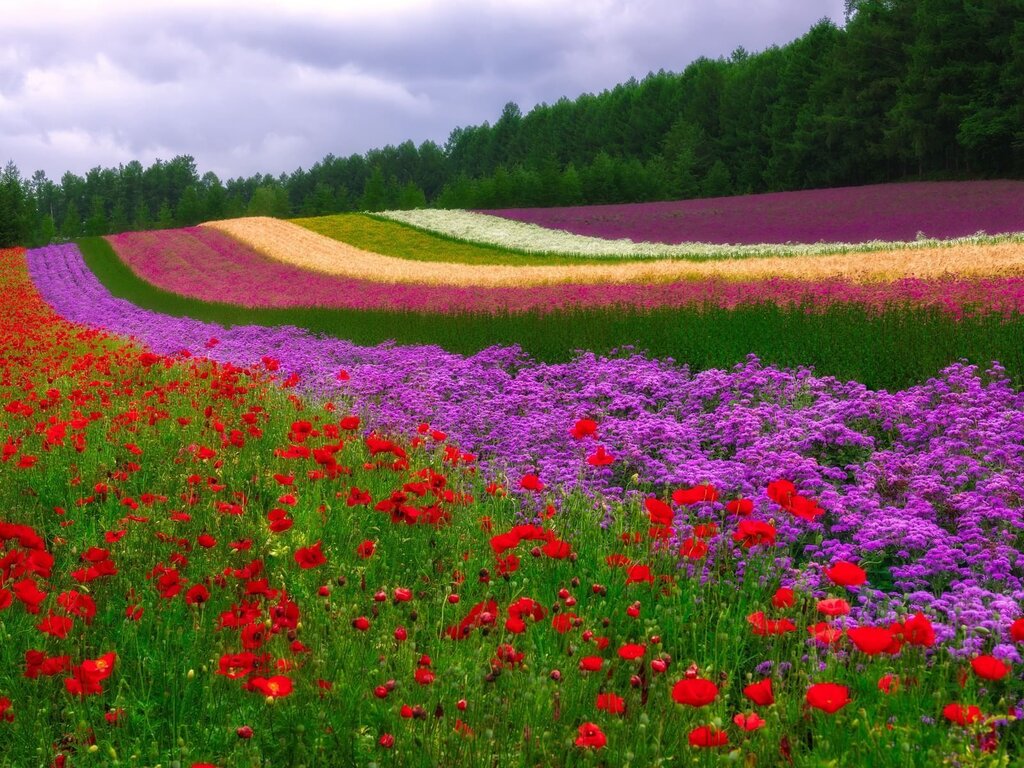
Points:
(893, 212)
(206, 264)
(925, 482)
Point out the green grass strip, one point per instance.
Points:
(404, 241)
(894, 349)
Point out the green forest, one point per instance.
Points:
(904, 89)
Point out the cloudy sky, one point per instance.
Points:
(273, 85)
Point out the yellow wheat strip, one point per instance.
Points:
(292, 244)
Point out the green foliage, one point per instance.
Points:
(15, 221)
(269, 200)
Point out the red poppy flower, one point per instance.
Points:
(55, 625)
(828, 697)
(918, 630)
(78, 603)
(659, 511)
(781, 492)
(846, 574)
(708, 736)
(277, 686)
(693, 548)
(760, 693)
(783, 598)
(805, 508)
(583, 428)
(888, 683)
(824, 633)
(694, 692)
(197, 594)
(591, 737)
(609, 702)
(749, 722)
(1016, 631)
(740, 507)
(632, 651)
(531, 483)
(763, 626)
(751, 533)
(871, 640)
(638, 573)
(962, 714)
(698, 493)
(591, 663)
(833, 606)
(600, 457)
(310, 557)
(989, 667)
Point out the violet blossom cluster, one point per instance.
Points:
(925, 483)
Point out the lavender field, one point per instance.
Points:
(896, 212)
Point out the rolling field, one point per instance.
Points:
(350, 491)
(851, 214)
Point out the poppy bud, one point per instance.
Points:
(587, 636)
(390, 685)
(573, 557)
(380, 596)
(658, 665)
(324, 591)
(575, 581)
(486, 617)
(461, 704)
(439, 712)
(563, 593)
(341, 581)
(380, 692)
(413, 615)
(596, 589)
(536, 552)
(453, 599)
(386, 740)
(655, 639)
(555, 675)
(244, 732)
(570, 601)
(419, 712)
(635, 681)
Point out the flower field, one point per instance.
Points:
(290, 244)
(240, 526)
(205, 264)
(896, 212)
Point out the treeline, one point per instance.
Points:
(905, 89)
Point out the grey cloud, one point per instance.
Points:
(266, 91)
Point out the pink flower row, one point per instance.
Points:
(205, 264)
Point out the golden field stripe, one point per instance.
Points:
(295, 245)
